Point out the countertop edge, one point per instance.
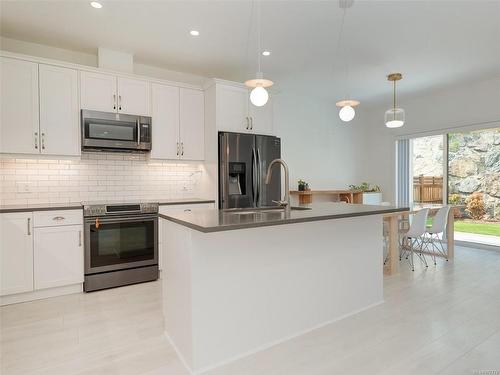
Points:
(279, 222)
(78, 206)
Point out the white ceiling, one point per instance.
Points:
(433, 43)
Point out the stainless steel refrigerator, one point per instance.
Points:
(243, 162)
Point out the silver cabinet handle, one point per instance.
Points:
(58, 218)
(114, 101)
(182, 148)
(187, 210)
(29, 226)
(43, 141)
(248, 123)
(251, 123)
(36, 140)
(79, 238)
(177, 148)
(138, 131)
(119, 102)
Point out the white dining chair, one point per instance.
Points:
(413, 240)
(435, 233)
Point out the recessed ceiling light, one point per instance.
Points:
(266, 53)
(194, 32)
(96, 5)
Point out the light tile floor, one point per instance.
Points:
(440, 320)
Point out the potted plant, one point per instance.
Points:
(303, 186)
(371, 193)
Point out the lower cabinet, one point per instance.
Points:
(166, 209)
(40, 250)
(58, 256)
(16, 253)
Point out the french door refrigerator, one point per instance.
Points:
(243, 162)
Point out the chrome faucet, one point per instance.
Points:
(285, 203)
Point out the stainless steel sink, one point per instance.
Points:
(260, 210)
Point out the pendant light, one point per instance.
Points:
(346, 112)
(259, 95)
(394, 117)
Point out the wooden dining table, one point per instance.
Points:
(393, 220)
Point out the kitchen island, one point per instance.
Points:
(239, 281)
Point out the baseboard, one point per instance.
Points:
(41, 294)
(265, 346)
(477, 245)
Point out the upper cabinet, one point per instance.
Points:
(59, 110)
(19, 111)
(178, 123)
(235, 112)
(39, 108)
(192, 124)
(108, 93)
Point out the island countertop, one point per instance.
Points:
(213, 220)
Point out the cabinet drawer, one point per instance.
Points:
(56, 218)
(185, 207)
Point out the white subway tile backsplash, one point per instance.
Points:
(96, 176)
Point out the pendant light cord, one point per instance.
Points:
(339, 41)
(258, 36)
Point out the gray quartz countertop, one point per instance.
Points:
(79, 205)
(212, 220)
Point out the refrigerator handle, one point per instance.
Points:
(255, 171)
(224, 165)
(259, 179)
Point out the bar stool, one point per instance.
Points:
(413, 239)
(435, 233)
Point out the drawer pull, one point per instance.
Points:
(80, 238)
(187, 210)
(29, 226)
(58, 218)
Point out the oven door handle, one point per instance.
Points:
(110, 220)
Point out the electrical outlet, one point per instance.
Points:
(24, 186)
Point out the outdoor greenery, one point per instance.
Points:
(365, 187)
(469, 226)
(475, 206)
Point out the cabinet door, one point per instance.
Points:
(261, 118)
(16, 253)
(19, 106)
(192, 124)
(58, 256)
(165, 115)
(133, 97)
(59, 125)
(98, 92)
(232, 108)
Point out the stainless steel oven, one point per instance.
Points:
(121, 244)
(115, 131)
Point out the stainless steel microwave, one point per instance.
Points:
(115, 131)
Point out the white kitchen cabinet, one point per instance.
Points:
(178, 123)
(235, 112)
(261, 118)
(165, 116)
(192, 124)
(16, 253)
(133, 96)
(165, 209)
(98, 91)
(19, 110)
(58, 256)
(109, 93)
(59, 111)
(232, 108)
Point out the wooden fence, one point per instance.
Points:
(427, 189)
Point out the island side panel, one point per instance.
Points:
(177, 302)
(255, 287)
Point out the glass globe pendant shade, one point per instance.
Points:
(394, 117)
(259, 96)
(347, 113)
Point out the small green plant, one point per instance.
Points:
(455, 199)
(475, 206)
(365, 187)
(303, 185)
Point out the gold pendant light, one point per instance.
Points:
(394, 117)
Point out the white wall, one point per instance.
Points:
(469, 106)
(317, 146)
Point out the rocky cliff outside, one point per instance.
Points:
(474, 165)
